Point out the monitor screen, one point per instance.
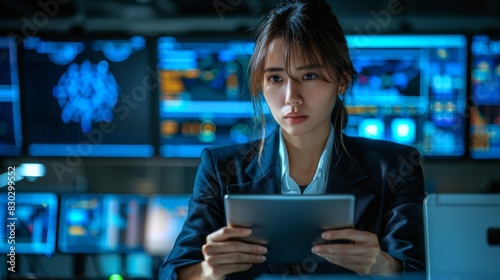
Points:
(165, 217)
(10, 110)
(28, 222)
(485, 112)
(101, 223)
(88, 98)
(410, 90)
(204, 97)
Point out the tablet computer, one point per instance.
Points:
(289, 225)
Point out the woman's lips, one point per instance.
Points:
(295, 118)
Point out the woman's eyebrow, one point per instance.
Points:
(310, 66)
(274, 69)
(305, 67)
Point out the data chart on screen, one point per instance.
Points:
(28, 225)
(485, 112)
(102, 223)
(204, 95)
(11, 137)
(411, 89)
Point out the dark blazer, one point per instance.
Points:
(386, 179)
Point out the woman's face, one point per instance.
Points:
(303, 105)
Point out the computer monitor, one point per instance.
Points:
(102, 223)
(88, 97)
(11, 139)
(485, 112)
(204, 96)
(165, 217)
(411, 89)
(28, 223)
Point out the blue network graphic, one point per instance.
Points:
(87, 94)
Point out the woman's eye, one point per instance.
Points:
(310, 76)
(274, 78)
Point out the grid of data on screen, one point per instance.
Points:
(10, 109)
(410, 90)
(31, 227)
(485, 112)
(204, 98)
(102, 223)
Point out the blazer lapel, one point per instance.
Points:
(264, 176)
(349, 178)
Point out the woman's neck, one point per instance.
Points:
(304, 153)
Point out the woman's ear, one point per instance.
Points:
(344, 81)
(342, 87)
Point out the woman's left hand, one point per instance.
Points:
(363, 256)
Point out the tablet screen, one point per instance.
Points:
(289, 225)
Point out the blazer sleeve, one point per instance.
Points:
(205, 215)
(403, 236)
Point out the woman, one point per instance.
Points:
(301, 65)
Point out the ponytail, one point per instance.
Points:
(339, 121)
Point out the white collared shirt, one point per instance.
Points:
(320, 180)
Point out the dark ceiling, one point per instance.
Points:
(160, 8)
(112, 14)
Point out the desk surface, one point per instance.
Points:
(408, 276)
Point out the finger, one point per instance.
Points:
(345, 249)
(349, 234)
(228, 232)
(234, 258)
(232, 246)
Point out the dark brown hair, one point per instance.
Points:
(311, 29)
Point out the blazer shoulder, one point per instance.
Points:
(236, 152)
(386, 149)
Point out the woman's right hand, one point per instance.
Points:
(223, 256)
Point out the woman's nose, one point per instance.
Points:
(293, 94)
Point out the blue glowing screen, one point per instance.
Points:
(410, 90)
(204, 98)
(34, 222)
(10, 110)
(485, 112)
(165, 217)
(102, 223)
(87, 97)
(87, 94)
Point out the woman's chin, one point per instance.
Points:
(294, 131)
